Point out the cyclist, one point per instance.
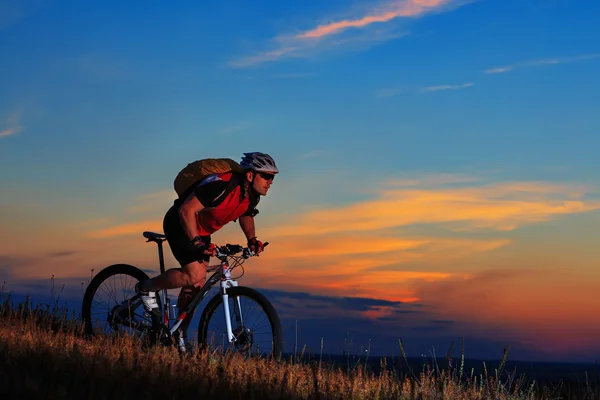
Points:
(190, 222)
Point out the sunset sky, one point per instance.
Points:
(440, 168)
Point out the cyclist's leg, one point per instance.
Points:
(188, 292)
(190, 275)
(192, 270)
(186, 295)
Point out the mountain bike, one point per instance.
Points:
(124, 312)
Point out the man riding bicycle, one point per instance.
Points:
(190, 222)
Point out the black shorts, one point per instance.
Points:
(180, 245)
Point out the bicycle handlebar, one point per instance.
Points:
(233, 249)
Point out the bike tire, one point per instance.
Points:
(259, 298)
(106, 273)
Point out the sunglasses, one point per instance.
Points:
(266, 176)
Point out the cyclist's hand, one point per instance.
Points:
(255, 245)
(211, 250)
(207, 249)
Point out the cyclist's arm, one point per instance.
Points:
(247, 225)
(187, 215)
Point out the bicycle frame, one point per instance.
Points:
(222, 273)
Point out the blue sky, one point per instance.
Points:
(140, 74)
(439, 105)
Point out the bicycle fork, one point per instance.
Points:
(227, 282)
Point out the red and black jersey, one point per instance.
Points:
(225, 201)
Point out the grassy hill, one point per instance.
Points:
(44, 355)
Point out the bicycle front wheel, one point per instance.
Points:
(254, 324)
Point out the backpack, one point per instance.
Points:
(190, 176)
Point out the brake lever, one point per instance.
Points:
(249, 253)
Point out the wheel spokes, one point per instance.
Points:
(110, 310)
(252, 329)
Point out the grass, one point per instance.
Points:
(45, 355)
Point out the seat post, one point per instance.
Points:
(161, 257)
(158, 238)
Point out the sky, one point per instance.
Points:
(439, 159)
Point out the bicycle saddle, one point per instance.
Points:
(154, 236)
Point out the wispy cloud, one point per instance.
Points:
(9, 132)
(541, 63)
(393, 91)
(446, 87)
(388, 12)
(12, 123)
(356, 32)
(266, 56)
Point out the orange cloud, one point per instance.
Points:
(495, 206)
(548, 308)
(312, 41)
(346, 245)
(388, 285)
(357, 249)
(366, 265)
(337, 256)
(407, 8)
(354, 249)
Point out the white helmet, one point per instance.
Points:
(259, 162)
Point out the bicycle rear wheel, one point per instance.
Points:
(257, 332)
(106, 309)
